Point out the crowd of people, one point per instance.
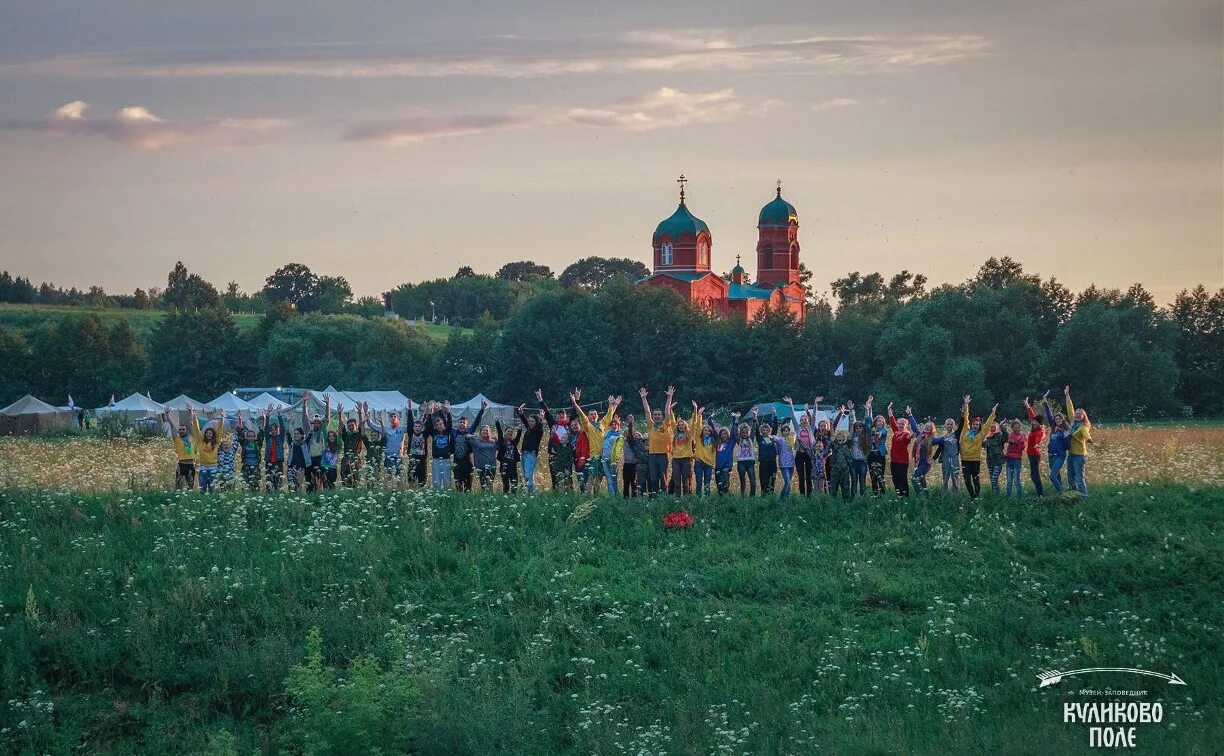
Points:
(611, 452)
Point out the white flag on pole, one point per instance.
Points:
(841, 369)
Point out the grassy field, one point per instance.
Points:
(27, 319)
(444, 623)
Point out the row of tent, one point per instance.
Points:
(31, 415)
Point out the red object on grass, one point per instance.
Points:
(678, 520)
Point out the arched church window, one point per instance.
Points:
(666, 257)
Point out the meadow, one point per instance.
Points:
(398, 620)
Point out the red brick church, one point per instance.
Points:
(682, 262)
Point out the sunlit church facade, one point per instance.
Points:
(682, 247)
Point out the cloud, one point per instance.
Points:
(663, 108)
(419, 129)
(136, 126)
(836, 103)
(502, 57)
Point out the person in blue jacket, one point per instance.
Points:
(1059, 444)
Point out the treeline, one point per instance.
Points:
(1000, 336)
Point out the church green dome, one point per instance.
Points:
(681, 222)
(778, 212)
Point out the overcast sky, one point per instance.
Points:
(392, 141)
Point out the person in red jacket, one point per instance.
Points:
(1036, 436)
(582, 453)
(899, 451)
(1013, 451)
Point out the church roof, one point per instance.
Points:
(679, 275)
(746, 291)
(681, 222)
(778, 212)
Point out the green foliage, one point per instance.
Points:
(462, 300)
(593, 273)
(188, 291)
(81, 356)
(1199, 352)
(355, 621)
(362, 710)
(315, 350)
(197, 353)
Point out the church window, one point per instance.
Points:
(666, 256)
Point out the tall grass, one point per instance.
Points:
(444, 623)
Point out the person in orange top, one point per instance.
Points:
(1032, 448)
(660, 428)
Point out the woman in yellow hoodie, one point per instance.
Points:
(971, 438)
(704, 451)
(1081, 436)
(208, 443)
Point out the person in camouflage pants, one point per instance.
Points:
(839, 467)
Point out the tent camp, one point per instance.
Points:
(780, 411)
(266, 401)
(31, 415)
(230, 404)
(131, 408)
(495, 411)
(380, 402)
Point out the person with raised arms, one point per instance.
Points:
(660, 429)
(250, 452)
(634, 453)
(442, 446)
(274, 435)
(316, 441)
(971, 440)
(462, 447)
(208, 441)
(1060, 442)
(558, 438)
(899, 451)
(594, 427)
(767, 452)
(185, 444)
(745, 455)
(352, 447)
(1032, 446)
(533, 434)
(1077, 453)
(508, 456)
(684, 448)
(704, 451)
(393, 436)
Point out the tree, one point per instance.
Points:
(465, 272)
(332, 295)
(524, 270)
(80, 356)
(197, 353)
(15, 356)
(870, 295)
(189, 292)
(141, 300)
(593, 273)
(1200, 348)
(998, 273)
(293, 283)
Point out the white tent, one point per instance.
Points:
(184, 402)
(266, 401)
(132, 408)
(380, 402)
(32, 415)
(230, 404)
(495, 411)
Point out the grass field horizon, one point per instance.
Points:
(442, 622)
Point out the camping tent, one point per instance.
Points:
(266, 401)
(780, 411)
(31, 415)
(495, 411)
(230, 404)
(131, 408)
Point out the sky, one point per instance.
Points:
(390, 141)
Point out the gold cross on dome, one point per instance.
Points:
(682, 181)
